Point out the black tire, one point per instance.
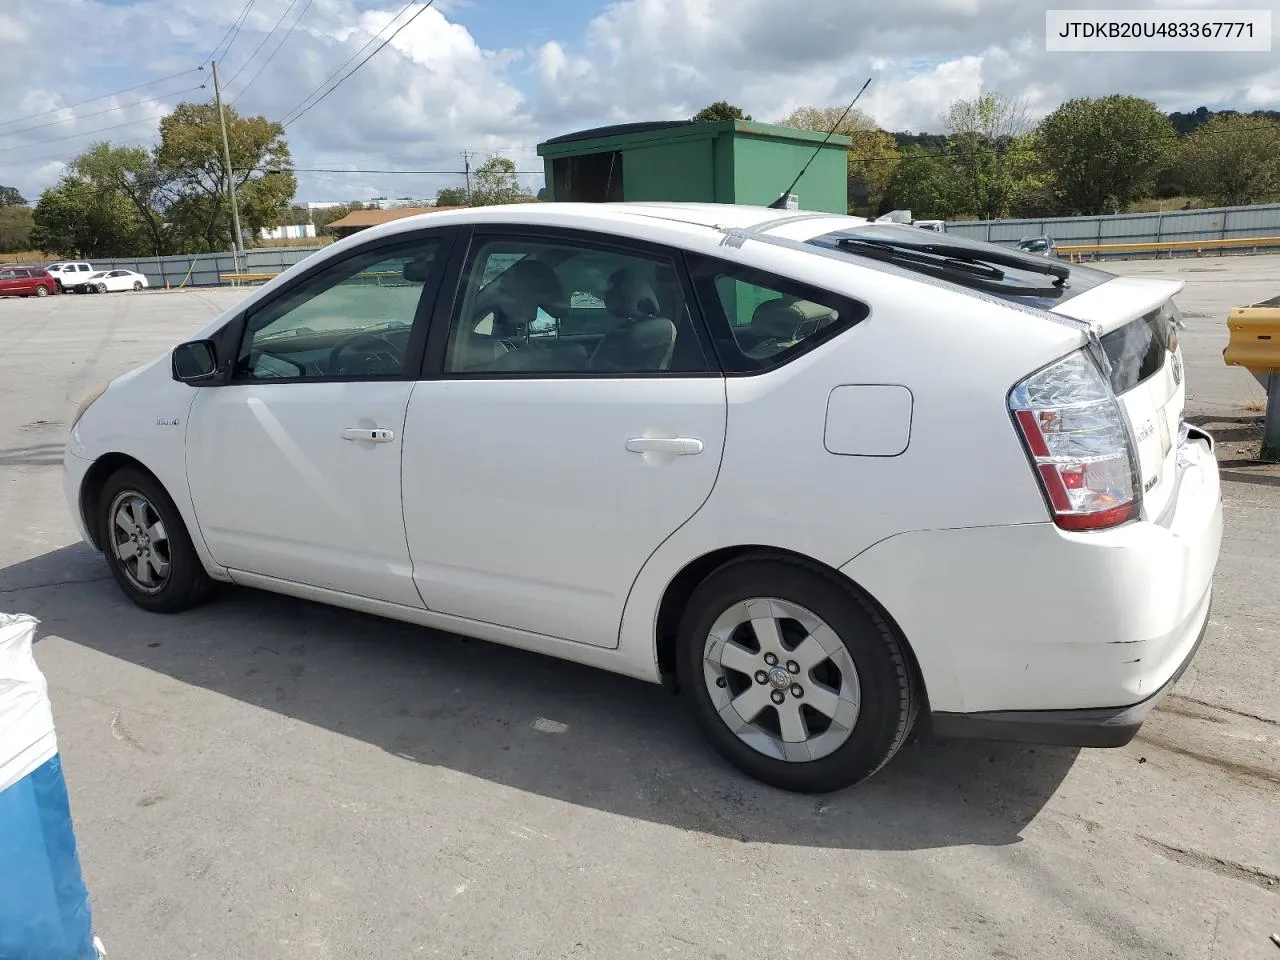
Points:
(61, 288)
(102, 288)
(42, 291)
(186, 583)
(886, 684)
(137, 284)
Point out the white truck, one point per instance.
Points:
(904, 216)
(68, 273)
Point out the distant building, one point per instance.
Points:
(290, 231)
(358, 220)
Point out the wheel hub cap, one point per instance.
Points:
(781, 679)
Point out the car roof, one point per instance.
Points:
(674, 221)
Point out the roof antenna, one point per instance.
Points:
(784, 201)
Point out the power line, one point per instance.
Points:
(235, 32)
(98, 113)
(262, 43)
(86, 133)
(102, 96)
(367, 44)
(423, 173)
(272, 54)
(347, 76)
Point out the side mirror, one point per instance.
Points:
(195, 361)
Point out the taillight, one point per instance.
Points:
(1077, 440)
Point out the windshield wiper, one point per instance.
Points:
(972, 268)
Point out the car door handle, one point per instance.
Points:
(676, 446)
(369, 434)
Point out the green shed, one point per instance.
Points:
(726, 161)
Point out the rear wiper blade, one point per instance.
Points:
(962, 265)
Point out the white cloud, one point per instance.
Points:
(435, 91)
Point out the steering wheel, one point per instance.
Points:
(386, 350)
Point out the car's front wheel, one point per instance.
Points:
(794, 678)
(42, 291)
(101, 288)
(147, 545)
(137, 284)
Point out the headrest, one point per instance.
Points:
(533, 283)
(786, 319)
(628, 296)
(417, 270)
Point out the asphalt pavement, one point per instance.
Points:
(270, 778)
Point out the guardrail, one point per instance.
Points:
(235, 279)
(377, 277)
(1254, 342)
(1074, 250)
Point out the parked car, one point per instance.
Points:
(23, 281)
(111, 281)
(69, 273)
(1043, 245)
(826, 476)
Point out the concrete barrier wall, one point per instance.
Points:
(1218, 223)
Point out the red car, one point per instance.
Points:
(17, 281)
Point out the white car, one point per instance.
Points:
(67, 274)
(827, 475)
(111, 281)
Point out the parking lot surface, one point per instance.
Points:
(268, 778)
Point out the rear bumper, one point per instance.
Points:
(1050, 635)
(1091, 727)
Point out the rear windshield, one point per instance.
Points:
(1137, 350)
(1079, 279)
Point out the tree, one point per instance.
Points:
(10, 197)
(451, 197)
(15, 228)
(1233, 160)
(981, 132)
(924, 183)
(495, 181)
(873, 153)
(1104, 153)
(720, 110)
(190, 154)
(76, 217)
(123, 201)
(132, 173)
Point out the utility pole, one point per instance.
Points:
(237, 242)
(466, 165)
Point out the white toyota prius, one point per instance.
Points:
(829, 477)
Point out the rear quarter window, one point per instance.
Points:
(760, 320)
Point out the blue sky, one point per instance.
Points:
(498, 76)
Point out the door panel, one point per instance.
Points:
(280, 492)
(524, 506)
(294, 466)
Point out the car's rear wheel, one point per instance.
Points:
(147, 545)
(793, 677)
(42, 291)
(137, 284)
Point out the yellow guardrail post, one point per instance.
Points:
(1254, 342)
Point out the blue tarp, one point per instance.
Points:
(44, 906)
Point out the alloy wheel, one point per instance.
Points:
(781, 679)
(140, 542)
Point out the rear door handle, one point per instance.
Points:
(369, 434)
(676, 446)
